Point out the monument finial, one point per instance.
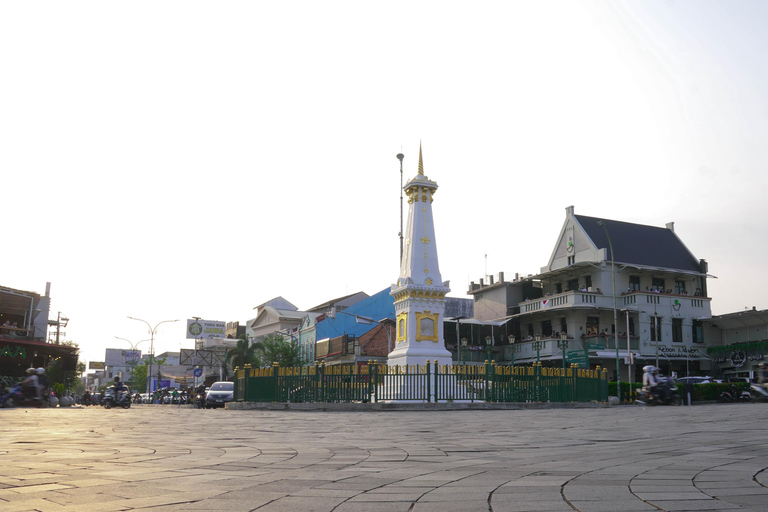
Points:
(421, 161)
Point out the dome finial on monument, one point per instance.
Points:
(421, 162)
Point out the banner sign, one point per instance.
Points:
(201, 329)
(132, 356)
(95, 365)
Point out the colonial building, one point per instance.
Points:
(609, 282)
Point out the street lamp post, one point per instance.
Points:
(537, 347)
(488, 345)
(512, 352)
(463, 351)
(458, 333)
(657, 335)
(615, 322)
(152, 332)
(562, 344)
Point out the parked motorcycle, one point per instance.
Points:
(110, 400)
(735, 395)
(759, 392)
(15, 396)
(666, 394)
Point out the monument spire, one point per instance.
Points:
(420, 291)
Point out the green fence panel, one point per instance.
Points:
(421, 383)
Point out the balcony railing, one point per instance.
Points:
(577, 298)
(566, 299)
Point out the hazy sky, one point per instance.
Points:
(166, 160)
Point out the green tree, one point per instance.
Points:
(66, 380)
(138, 380)
(243, 353)
(275, 348)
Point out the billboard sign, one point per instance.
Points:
(95, 365)
(201, 329)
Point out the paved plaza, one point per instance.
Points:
(170, 458)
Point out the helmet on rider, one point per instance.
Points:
(41, 371)
(647, 369)
(31, 371)
(655, 371)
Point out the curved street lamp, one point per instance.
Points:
(615, 321)
(152, 332)
(133, 348)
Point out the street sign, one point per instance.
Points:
(198, 372)
(577, 357)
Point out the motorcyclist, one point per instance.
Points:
(762, 375)
(651, 380)
(86, 398)
(31, 385)
(42, 380)
(200, 391)
(118, 387)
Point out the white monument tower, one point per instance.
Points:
(420, 291)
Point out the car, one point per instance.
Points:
(219, 394)
(695, 380)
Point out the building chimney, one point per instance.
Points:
(517, 276)
(490, 280)
(671, 226)
(501, 277)
(569, 211)
(47, 289)
(481, 283)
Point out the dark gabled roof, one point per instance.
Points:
(640, 245)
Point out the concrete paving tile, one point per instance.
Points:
(373, 497)
(755, 490)
(373, 507)
(527, 506)
(751, 500)
(42, 488)
(635, 505)
(664, 496)
(683, 506)
(445, 496)
(292, 504)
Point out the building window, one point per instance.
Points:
(546, 328)
(563, 325)
(677, 330)
(657, 283)
(588, 282)
(593, 325)
(573, 284)
(634, 283)
(559, 287)
(680, 287)
(571, 260)
(698, 335)
(655, 328)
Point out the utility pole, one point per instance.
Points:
(400, 157)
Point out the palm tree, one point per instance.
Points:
(243, 353)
